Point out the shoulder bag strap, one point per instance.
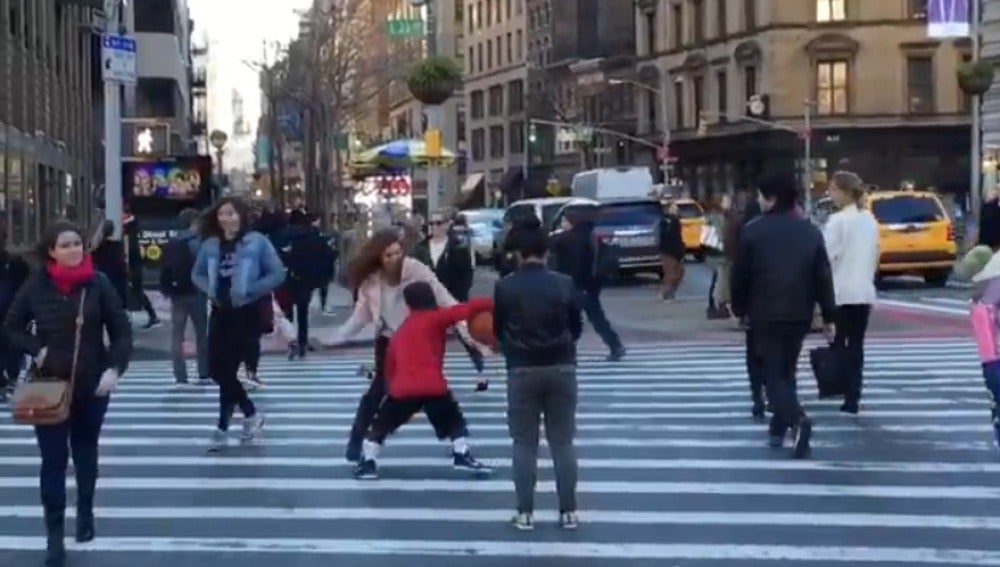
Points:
(77, 337)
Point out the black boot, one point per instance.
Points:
(55, 547)
(85, 520)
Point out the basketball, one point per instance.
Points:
(481, 329)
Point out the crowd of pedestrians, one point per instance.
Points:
(232, 272)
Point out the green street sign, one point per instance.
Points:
(405, 28)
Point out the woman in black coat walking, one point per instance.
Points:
(53, 298)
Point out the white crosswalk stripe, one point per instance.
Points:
(672, 471)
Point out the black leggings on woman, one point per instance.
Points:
(372, 398)
(232, 336)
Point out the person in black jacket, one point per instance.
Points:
(133, 253)
(989, 221)
(448, 255)
(671, 252)
(537, 321)
(780, 274)
(109, 258)
(309, 260)
(51, 300)
(577, 251)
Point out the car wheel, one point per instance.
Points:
(699, 256)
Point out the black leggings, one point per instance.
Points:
(849, 342)
(232, 334)
(372, 398)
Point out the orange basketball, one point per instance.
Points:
(481, 329)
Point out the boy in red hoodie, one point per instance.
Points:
(415, 379)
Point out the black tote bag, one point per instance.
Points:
(826, 369)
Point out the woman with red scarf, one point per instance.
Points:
(51, 300)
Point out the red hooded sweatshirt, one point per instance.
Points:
(414, 363)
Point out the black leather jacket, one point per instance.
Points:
(536, 317)
(781, 271)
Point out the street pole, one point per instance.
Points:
(976, 159)
(807, 166)
(112, 131)
(435, 115)
(661, 94)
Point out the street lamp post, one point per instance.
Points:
(218, 139)
(664, 122)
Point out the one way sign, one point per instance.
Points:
(118, 59)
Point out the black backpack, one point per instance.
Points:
(178, 261)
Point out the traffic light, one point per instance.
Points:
(702, 123)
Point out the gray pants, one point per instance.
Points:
(548, 392)
(182, 308)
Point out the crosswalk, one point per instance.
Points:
(672, 472)
(931, 305)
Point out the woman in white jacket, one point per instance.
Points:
(851, 236)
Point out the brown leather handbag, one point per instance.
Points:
(46, 400)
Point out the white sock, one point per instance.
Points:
(370, 450)
(460, 445)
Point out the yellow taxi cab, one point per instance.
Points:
(916, 235)
(692, 222)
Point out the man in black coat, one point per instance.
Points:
(671, 253)
(989, 221)
(780, 274)
(309, 260)
(449, 255)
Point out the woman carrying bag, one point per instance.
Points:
(72, 375)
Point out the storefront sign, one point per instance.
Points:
(152, 243)
(948, 18)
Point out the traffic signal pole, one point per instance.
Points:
(113, 130)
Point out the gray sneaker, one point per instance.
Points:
(219, 441)
(523, 521)
(252, 427)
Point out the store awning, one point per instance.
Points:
(471, 182)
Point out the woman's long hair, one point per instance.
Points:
(209, 226)
(368, 260)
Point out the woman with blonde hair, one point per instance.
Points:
(852, 240)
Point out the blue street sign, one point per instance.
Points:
(118, 58)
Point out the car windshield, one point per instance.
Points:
(481, 228)
(689, 211)
(630, 214)
(549, 212)
(485, 217)
(906, 209)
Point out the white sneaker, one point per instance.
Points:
(252, 427)
(219, 441)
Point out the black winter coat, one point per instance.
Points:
(54, 315)
(454, 267)
(109, 259)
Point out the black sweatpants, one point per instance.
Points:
(233, 336)
(442, 412)
(852, 323)
(368, 405)
(777, 346)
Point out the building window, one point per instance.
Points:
(472, 17)
(650, 19)
(920, 84)
(677, 19)
(698, 20)
(721, 18)
(489, 54)
(496, 100)
(749, 14)
(515, 96)
(510, 48)
(470, 60)
(497, 142)
(477, 105)
(460, 124)
(916, 9)
(520, 45)
(722, 93)
(479, 15)
(510, 5)
(516, 134)
(698, 93)
(831, 87)
(831, 10)
(749, 82)
(478, 144)
(679, 104)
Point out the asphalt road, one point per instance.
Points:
(672, 472)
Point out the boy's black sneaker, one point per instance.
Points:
(849, 408)
(366, 470)
(803, 434)
(466, 462)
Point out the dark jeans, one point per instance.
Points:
(194, 307)
(78, 436)
(777, 347)
(711, 290)
(852, 323)
(535, 394)
(368, 405)
(755, 371)
(590, 303)
(231, 337)
(443, 413)
(300, 306)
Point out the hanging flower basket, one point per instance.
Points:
(433, 80)
(975, 78)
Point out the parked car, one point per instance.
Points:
(484, 226)
(544, 209)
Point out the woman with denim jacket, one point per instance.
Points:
(236, 268)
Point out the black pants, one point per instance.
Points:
(368, 405)
(755, 371)
(324, 295)
(590, 303)
(852, 323)
(233, 334)
(300, 305)
(711, 290)
(443, 413)
(78, 436)
(777, 347)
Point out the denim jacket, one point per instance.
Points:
(258, 271)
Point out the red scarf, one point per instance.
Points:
(68, 278)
